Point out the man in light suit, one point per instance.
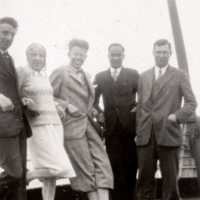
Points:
(118, 87)
(74, 92)
(14, 127)
(159, 115)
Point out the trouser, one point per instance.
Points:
(121, 151)
(147, 163)
(90, 162)
(13, 162)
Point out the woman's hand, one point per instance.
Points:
(31, 107)
(61, 112)
(29, 103)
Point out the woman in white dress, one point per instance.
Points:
(48, 155)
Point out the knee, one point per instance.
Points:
(61, 172)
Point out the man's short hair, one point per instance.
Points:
(115, 45)
(79, 43)
(162, 42)
(9, 20)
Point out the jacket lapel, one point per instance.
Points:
(74, 75)
(7, 68)
(91, 89)
(122, 79)
(11, 71)
(166, 77)
(149, 81)
(88, 80)
(15, 73)
(108, 79)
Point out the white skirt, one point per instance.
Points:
(47, 150)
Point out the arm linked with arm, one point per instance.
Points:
(100, 116)
(96, 100)
(56, 82)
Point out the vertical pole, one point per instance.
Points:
(183, 64)
(178, 37)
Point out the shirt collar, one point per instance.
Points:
(36, 73)
(163, 69)
(3, 51)
(118, 70)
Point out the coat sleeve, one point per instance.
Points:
(190, 103)
(56, 83)
(136, 79)
(21, 78)
(139, 104)
(97, 96)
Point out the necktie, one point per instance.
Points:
(115, 75)
(6, 57)
(159, 76)
(157, 83)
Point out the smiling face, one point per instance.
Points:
(77, 56)
(162, 55)
(7, 34)
(116, 56)
(36, 60)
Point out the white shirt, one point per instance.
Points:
(3, 52)
(118, 70)
(157, 69)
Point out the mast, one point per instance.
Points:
(178, 37)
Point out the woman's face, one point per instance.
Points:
(36, 60)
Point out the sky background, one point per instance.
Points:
(136, 24)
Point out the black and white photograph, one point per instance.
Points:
(99, 100)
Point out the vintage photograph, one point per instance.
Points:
(99, 100)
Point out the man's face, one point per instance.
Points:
(7, 33)
(77, 56)
(162, 55)
(116, 56)
(36, 60)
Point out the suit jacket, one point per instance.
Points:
(118, 98)
(11, 122)
(154, 112)
(68, 88)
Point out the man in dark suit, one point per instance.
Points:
(13, 127)
(118, 86)
(159, 115)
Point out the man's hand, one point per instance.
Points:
(6, 104)
(133, 110)
(101, 119)
(61, 112)
(172, 117)
(74, 111)
(94, 112)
